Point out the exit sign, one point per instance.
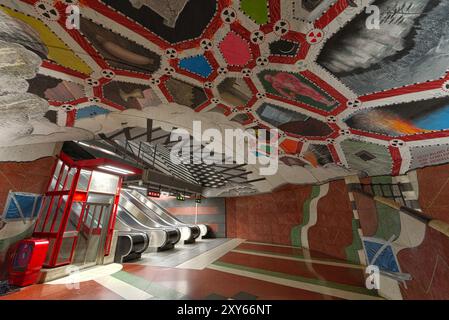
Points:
(154, 194)
(180, 197)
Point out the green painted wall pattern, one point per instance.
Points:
(388, 219)
(352, 251)
(256, 10)
(303, 91)
(295, 234)
(379, 165)
(281, 275)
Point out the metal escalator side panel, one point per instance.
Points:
(144, 209)
(130, 206)
(204, 229)
(157, 237)
(163, 213)
(188, 233)
(130, 220)
(121, 225)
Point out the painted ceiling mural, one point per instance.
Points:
(346, 98)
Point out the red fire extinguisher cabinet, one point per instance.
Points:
(27, 261)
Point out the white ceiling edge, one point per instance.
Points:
(29, 152)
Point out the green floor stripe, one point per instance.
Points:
(388, 219)
(300, 256)
(156, 290)
(352, 251)
(295, 234)
(256, 10)
(281, 275)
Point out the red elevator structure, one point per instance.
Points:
(79, 210)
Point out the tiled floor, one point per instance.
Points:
(183, 253)
(224, 270)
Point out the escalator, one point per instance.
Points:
(131, 219)
(164, 214)
(153, 211)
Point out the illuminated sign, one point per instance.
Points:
(154, 194)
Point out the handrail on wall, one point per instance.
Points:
(435, 224)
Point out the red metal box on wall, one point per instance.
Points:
(26, 261)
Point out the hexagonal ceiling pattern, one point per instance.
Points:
(347, 97)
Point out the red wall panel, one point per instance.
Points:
(267, 217)
(333, 231)
(30, 177)
(434, 191)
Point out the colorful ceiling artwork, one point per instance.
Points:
(347, 96)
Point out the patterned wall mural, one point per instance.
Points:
(346, 98)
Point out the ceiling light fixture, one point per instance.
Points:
(96, 148)
(116, 170)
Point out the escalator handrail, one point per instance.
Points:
(154, 206)
(141, 206)
(141, 227)
(126, 201)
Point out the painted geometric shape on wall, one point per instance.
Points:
(241, 118)
(186, 94)
(53, 89)
(368, 157)
(385, 259)
(284, 48)
(219, 109)
(292, 121)
(291, 146)
(20, 205)
(318, 155)
(118, 51)
(257, 10)
(130, 95)
(172, 20)
(407, 48)
(404, 119)
(197, 65)
(424, 156)
(235, 50)
(295, 87)
(90, 112)
(41, 40)
(234, 92)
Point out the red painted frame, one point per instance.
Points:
(74, 195)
